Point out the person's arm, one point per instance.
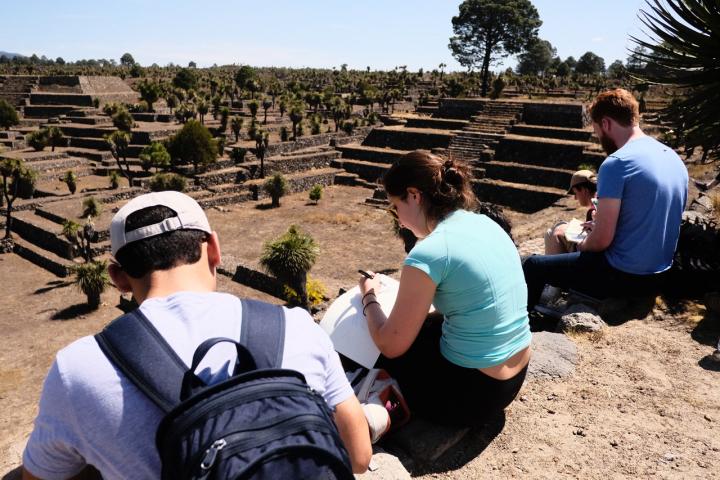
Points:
(354, 432)
(603, 232)
(393, 335)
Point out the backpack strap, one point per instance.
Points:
(138, 350)
(263, 332)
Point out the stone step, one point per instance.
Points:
(223, 176)
(368, 171)
(517, 196)
(47, 111)
(371, 154)
(437, 123)
(84, 130)
(528, 174)
(47, 98)
(574, 134)
(41, 232)
(89, 153)
(48, 260)
(90, 119)
(403, 138)
(295, 163)
(543, 152)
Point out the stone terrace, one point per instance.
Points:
(522, 153)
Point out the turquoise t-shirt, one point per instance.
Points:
(480, 289)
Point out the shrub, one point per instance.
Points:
(26, 182)
(348, 127)
(316, 293)
(316, 193)
(38, 139)
(114, 180)
(237, 154)
(70, 230)
(91, 207)
(498, 85)
(55, 137)
(168, 181)
(284, 135)
(96, 102)
(70, 179)
(122, 120)
(8, 115)
(155, 155)
(193, 144)
(373, 118)
(276, 186)
(92, 278)
(289, 258)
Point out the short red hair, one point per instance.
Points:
(618, 104)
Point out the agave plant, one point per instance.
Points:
(92, 278)
(290, 258)
(683, 49)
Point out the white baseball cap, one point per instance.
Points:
(188, 216)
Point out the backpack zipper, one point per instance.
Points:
(212, 453)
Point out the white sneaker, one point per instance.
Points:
(378, 420)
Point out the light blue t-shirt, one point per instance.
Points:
(652, 183)
(480, 289)
(90, 413)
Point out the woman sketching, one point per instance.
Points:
(471, 364)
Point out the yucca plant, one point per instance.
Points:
(683, 50)
(92, 278)
(276, 186)
(70, 179)
(91, 207)
(289, 258)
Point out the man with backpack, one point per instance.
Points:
(194, 383)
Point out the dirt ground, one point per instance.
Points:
(643, 401)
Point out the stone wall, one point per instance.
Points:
(41, 261)
(302, 143)
(298, 184)
(300, 163)
(258, 280)
(569, 115)
(42, 238)
(406, 140)
(544, 152)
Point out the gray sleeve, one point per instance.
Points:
(49, 453)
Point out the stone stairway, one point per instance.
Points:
(485, 129)
(15, 89)
(529, 173)
(12, 140)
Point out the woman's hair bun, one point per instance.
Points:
(450, 174)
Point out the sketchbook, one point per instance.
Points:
(347, 327)
(574, 231)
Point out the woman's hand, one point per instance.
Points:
(367, 284)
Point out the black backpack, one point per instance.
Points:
(263, 422)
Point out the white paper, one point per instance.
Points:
(347, 326)
(574, 231)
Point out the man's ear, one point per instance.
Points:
(213, 250)
(119, 278)
(606, 124)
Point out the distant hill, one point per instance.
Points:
(10, 55)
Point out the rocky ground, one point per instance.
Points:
(637, 399)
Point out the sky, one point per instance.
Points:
(381, 34)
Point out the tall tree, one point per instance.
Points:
(8, 115)
(685, 52)
(536, 59)
(119, 142)
(488, 30)
(590, 64)
(127, 60)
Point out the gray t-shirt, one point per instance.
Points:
(90, 413)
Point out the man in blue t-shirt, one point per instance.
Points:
(642, 191)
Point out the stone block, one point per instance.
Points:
(554, 356)
(423, 441)
(384, 466)
(580, 318)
